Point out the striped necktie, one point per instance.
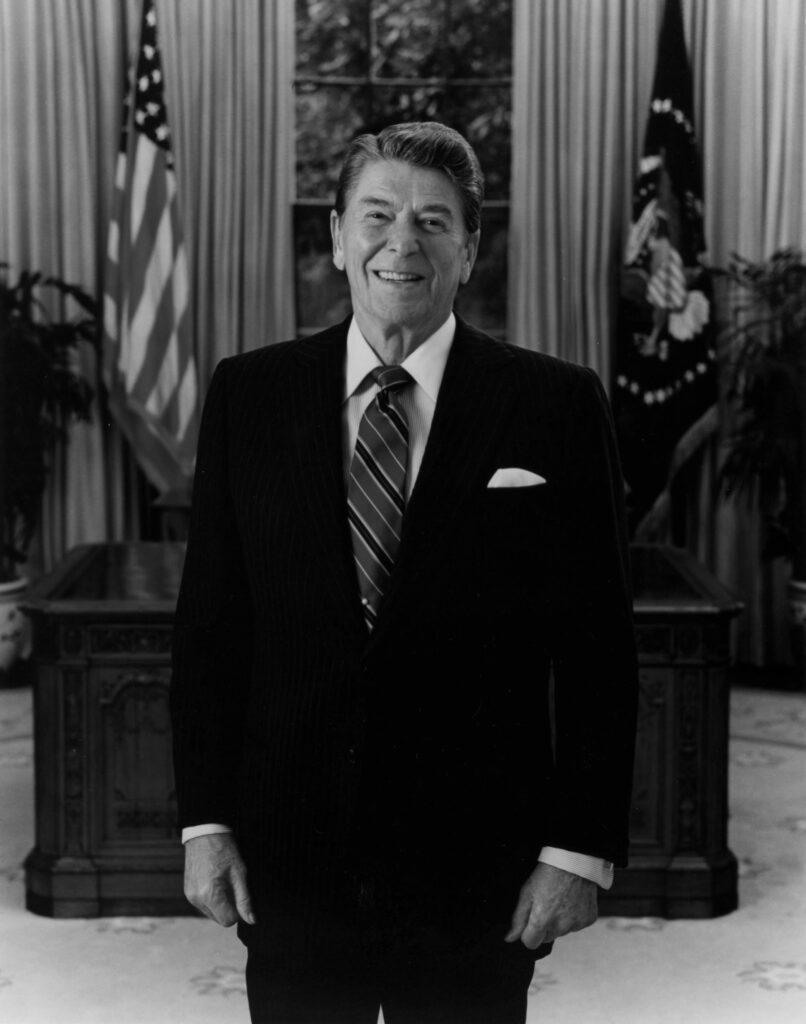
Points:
(376, 492)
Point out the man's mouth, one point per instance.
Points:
(392, 275)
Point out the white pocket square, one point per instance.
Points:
(515, 478)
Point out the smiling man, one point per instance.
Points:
(401, 531)
(403, 241)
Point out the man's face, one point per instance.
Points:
(403, 243)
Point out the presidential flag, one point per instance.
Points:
(665, 370)
(149, 365)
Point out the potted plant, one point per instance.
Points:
(766, 348)
(41, 394)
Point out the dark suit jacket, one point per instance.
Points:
(425, 753)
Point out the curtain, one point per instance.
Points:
(582, 78)
(228, 71)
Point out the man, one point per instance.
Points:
(375, 779)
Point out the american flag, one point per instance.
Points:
(149, 365)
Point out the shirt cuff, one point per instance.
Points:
(194, 831)
(592, 868)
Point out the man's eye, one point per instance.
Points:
(433, 224)
(376, 215)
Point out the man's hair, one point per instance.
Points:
(424, 144)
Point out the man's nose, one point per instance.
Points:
(402, 237)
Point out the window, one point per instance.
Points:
(363, 64)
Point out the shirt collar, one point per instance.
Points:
(426, 363)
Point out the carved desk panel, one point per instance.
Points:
(106, 840)
(680, 864)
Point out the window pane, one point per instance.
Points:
(323, 296)
(391, 105)
(408, 38)
(480, 38)
(332, 37)
(483, 300)
(328, 118)
(483, 116)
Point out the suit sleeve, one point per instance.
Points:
(212, 638)
(594, 659)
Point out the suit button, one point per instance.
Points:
(351, 755)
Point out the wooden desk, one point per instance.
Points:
(106, 841)
(105, 806)
(680, 864)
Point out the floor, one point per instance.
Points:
(746, 968)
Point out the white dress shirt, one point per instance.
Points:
(426, 364)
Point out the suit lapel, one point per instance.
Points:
(315, 467)
(469, 419)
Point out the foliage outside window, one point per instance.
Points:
(364, 64)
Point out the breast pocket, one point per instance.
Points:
(516, 513)
(514, 542)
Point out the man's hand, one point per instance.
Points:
(552, 903)
(215, 879)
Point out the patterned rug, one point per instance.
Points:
(745, 968)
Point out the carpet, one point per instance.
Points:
(748, 967)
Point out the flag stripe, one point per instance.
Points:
(152, 319)
(151, 246)
(161, 319)
(165, 382)
(186, 397)
(143, 182)
(151, 261)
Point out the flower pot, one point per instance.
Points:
(15, 634)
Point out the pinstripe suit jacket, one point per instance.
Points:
(428, 750)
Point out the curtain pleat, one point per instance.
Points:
(580, 76)
(583, 73)
(227, 67)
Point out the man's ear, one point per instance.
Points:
(471, 251)
(335, 234)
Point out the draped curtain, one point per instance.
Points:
(583, 73)
(228, 72)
